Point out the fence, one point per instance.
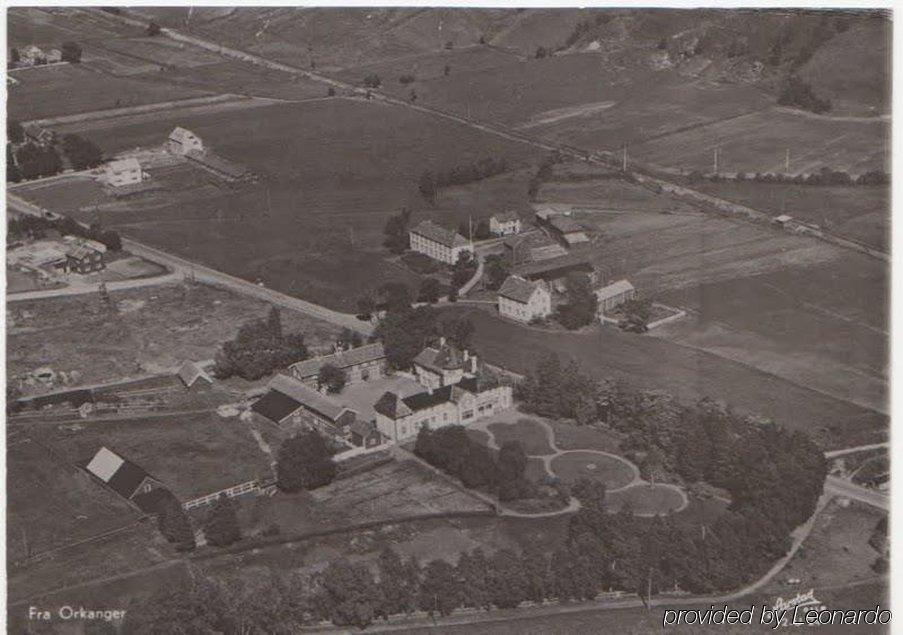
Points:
(229, 492)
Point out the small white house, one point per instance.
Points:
(505, 224)
(182, 141)
(31, 54)
(122, 172)
(54, 56)
(523, 300)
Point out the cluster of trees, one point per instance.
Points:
(304, 462)
(430, 290)
(397, 239)
(543, 172)
(82, 153)
(15, 132)
(71, 52)
(372, 81)
(153, 29)
(824, 177)
(430, 183)
(582, 304)
(480, 230)
(562, 391)
(173, 522)
(36, 161)
(332, 378)
(451, 450)
(405, 332)
(36, 226)
(259, 348)
(462, 271)
(799, 94)
(221, 527)
(497, 269)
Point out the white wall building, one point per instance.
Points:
(122, 172)
(505, 224)
(614, 294)
(523, 300)
(182, 141)
(438, 243)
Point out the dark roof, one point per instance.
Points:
(275, 406)
(342, 359)
(218, 163)
(576, 259)
(519, 289)
(565, 224)
(446, 357)
(123, 476)
(74, 397)
(391, 405)
(127, 479)
(308, 397)
(395, 407)
(424, 400)
(363, 428)
(436, 233)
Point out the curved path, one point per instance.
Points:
(636, 481)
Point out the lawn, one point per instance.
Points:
(330, 185)
(50, 503)
(531, 435)
(861, 213)
(573, 466)
(152, 330)
(645, 499)
(191, 454)
(569, 436)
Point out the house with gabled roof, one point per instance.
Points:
(191, 372)
(121, 475)
(122, 172)
(505, 224)
(182, 141)
(524, 300)
(360, 364)
(438, 243)
(288, 402)
(442, 365)
(614, 294)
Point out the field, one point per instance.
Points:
(573, 466)
(331, 185)
(646, 499)
(50, 503)
(654, 363)
(49, 28)
(861, 213)
(757, 143)
(394, 490)
(191, 454)
(573, 437)
(153, 330)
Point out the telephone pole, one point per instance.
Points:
(715, 161)
(624, 159)
(787, 161)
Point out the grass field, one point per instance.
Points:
(645, 499)
(37, 95)
(862, 213)
(572, 466)
(573, 437)
(50, 27)
(332, 183)
(51, 503)
(192, 455)
(757, 143)
(654, 363)
(530, 434)
(153, 330)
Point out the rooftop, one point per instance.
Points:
(396, 407)
(565, 224)
(275, 406)
(506, 217)
(614, 289)
(124, 165)
(430, 230)
(519, 289)
(341, 359)
(307, 397)
(123, 476)
(446, 357)
(180, 135)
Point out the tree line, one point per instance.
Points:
(28, 226)
(824, 177)
(31, 160)
(259, 348)
(430, 183)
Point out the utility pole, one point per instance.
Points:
(715, 161)
(787, 161)
(624, 159)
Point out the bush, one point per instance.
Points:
(798, 94)
(406, 79)
(372, 81)
(82, 153)
(259, 348)
(153, 29)
(71, 52)
(304, 462)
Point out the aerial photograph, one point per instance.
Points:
(455, 319)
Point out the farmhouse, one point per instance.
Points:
(182, 141)
(83, 258)
(123, 172)
(54, 56)
(614, 294)
(122, 476)
(471, 399)
(443, 365)
(523, 300)
(505, 224)
(532, 248)
(438, 243)
(289, 402)
(360, 364)
(39, 135)
(547, 211)
(31, 55)
(567, 230)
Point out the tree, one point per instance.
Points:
(582, 305)
(347, 594)
(439, 590)
(82, 153)
(497, 270)
(458, 331)
(13, 174)
(473, 574)
(537, 579)
(304, 462)
(14, 56)
(372, 81)
(153, 29)
(397, 239)
(188, 608)
(258, 349)
(36, 161)
(463, 270)
(428, 187)
(396, 297)
(512, 462)
(447, 70)
(430, 290)
(333, 377)
(71, 52)
(405, 333)
(349, 338)
(330, 92)
(221, 526)
(174, 523)
(507, 579)
(399, 582)
(15, 133)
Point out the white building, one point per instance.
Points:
(182, 141)
(505, 224)
(31, 54)
(523, 300)
(443, 365)
(122, 172)
(614, 294)
(54, 56)
(438, 243)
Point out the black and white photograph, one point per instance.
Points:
(448, 319)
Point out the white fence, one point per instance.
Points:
(229, 492)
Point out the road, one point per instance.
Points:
(82, 289)
(842, 487)
(181, 268)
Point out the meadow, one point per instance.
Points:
(331, 171)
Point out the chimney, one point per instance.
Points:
(442, 342)
(473, 364)
(466, 354)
